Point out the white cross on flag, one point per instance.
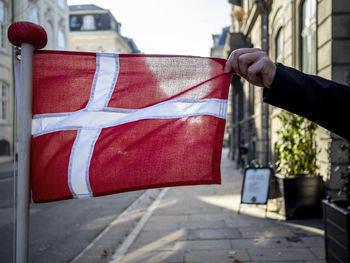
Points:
(105, 123)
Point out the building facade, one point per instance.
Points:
(310, 35)
(217, 51)
(95, 29)
(6, 84)
(219, 40)
(53, 16)
(50, 14)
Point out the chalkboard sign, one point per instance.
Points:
(256, 185)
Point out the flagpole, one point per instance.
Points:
(28, 36)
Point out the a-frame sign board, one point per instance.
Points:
(256, 187)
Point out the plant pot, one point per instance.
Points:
(274, 191)
(336, 219)
(301, 196)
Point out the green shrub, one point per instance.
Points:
(296, 148)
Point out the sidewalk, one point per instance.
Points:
(201, 224)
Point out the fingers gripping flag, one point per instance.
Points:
(105, 124)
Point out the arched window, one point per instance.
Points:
(308, 36)
(50, 35)
(33, 14)
(4, 102)
(2, 24)
(279, 46)
(74, 22)
(88, 23)
(4, 148)
(61, 3)
(61, 40)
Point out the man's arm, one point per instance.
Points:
(325, 102)
(322, 101)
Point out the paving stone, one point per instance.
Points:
(201, 210)
(116, 233)
(203, 224)
(206, 217)
(157, 240)
(203, 245)
(284, 254)
(305, 227)
(316, 242)
(307, 232)
(93, 259)
(97, 254)
(161, 226)
(168, 218)
(221, 256)
(154, 257)
(266, 232)
(213, 233)
(149, 236)
(156, 245)
(319, 252)
(289, 261)
(259, 243)
(244, 222)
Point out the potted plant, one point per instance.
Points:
(336, 214)
(300, 186)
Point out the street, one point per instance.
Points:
(178, 224)
(59, 231)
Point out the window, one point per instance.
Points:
(61, 3)
(2, 11)
(33, 15)
(251, 105)
(61, 40)
(4, 90)
(4, 148)
(73, 21)
(51, 44)
(88, 23)
(308, 36)
(279, 47)
(2, 25)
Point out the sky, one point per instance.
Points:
(181, 27)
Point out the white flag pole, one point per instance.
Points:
(28, 36)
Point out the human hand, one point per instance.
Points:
(252, 64)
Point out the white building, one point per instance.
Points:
(53, 16)
(95, 29)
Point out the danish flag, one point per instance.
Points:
(108, 123)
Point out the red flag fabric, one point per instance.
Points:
(107, 123)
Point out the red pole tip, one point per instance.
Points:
(27, 32)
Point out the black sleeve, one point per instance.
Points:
(322, 101)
